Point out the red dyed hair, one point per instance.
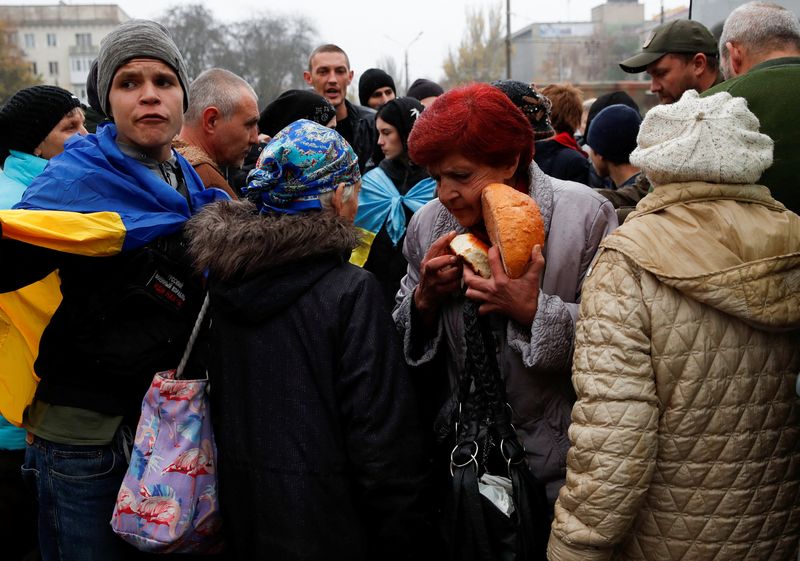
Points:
(476, 121)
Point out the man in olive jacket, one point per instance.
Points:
(760, 49)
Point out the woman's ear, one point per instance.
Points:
(510, 171)
(337, 200)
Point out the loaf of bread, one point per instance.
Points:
(513, 223)
(474, 252)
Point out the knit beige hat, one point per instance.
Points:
(713, 139)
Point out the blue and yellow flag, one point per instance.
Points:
(91, 200)
(380, 202)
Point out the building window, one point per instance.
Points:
(30, 41)
(12, 38)
(83, 39)
(52, 66)
(34, 69)
(76, 65)
(51, 39)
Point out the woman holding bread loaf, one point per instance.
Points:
(532, 301)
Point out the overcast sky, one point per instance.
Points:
(369, 31)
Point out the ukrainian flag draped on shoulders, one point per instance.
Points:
(91, 200)
(380, 202)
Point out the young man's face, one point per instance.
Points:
(329, 76)
(670, 76)
(381, 96)
(146, 101)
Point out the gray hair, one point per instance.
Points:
(760, 27)
(326, 199)
(219, 88)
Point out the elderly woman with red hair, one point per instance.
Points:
(471, 137)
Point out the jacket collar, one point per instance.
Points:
(194, 154)
(788, 60)
(664, 196)
(234, 241)
(23, 167)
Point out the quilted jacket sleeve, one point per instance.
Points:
(614, 422)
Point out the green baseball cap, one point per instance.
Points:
(677, 36)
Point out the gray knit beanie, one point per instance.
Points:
(713, 139)
(137, 38)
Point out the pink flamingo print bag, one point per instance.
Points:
(168, 499)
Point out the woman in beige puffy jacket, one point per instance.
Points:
(686, 433)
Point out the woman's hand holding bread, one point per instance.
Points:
(439, 275)
(518, 298)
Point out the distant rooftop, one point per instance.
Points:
(63, 14)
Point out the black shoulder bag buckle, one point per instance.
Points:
(477, 530)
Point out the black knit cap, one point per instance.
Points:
(534, 105)
(292, 105)
(401, 113)
(613, 132)
(370, 81)
(30, 114)
(616, 97)
(422, 88)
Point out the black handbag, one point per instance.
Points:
(486, 442)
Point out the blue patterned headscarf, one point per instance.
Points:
(301, 162)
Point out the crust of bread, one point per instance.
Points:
(513, 223)
(474, 252)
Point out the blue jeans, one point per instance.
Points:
(77, 488)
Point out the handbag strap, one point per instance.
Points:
(192, 338)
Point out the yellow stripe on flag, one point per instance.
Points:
(361, 252)
(93, 234)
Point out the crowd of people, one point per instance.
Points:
(650, 349)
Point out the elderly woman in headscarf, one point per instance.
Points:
(471, 137)
(318, 441)
(390, 195)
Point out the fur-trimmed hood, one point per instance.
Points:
(233, 241)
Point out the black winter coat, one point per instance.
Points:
(317, 433)
(364, 133)
(562, 162)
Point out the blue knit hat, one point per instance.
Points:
(302, 161)
(613, 132)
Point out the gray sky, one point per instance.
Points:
(369, 31)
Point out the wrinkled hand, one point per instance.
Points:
(440, 275)
(517, 299)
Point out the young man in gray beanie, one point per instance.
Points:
(121, 198)
(686, 432)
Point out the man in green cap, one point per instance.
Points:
(760, 47)
(680, 55)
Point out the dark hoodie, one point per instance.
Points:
(319, 446)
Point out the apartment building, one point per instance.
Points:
(60, 41)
